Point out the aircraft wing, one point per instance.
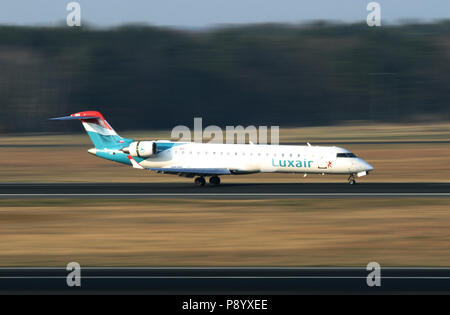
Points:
(191, 171)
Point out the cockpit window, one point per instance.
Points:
(345, 155)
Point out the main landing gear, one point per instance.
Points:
(351, 179)
(213, 180)
(200, 181)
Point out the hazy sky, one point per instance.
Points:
(201, 13)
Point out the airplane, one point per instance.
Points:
(200, 160)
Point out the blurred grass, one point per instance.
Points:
(300, 232)
(63, 158)
(348, 131)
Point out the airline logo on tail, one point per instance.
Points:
(98, 129)
(95, 122)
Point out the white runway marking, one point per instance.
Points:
(224, 195)
(224, 277)
(235, 194)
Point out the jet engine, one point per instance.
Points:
(142, 149)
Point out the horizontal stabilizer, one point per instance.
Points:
(192, 171)
(73, 118)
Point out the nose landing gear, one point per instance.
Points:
(351, 179)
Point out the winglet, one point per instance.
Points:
(134, 163)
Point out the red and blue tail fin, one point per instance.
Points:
(101, 133)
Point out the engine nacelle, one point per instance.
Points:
(142, 148)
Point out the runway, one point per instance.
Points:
(225, 280)
(224, 191)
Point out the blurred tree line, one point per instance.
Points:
(144, 77)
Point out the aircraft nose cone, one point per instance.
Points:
(363, 166)
(367, 167)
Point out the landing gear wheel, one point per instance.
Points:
(214, 180)
(199, 181)
(351, 180)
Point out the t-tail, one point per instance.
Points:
(101, 133)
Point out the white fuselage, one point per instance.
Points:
(250, 158)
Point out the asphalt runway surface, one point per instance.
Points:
(223, 280)
(223, 191)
